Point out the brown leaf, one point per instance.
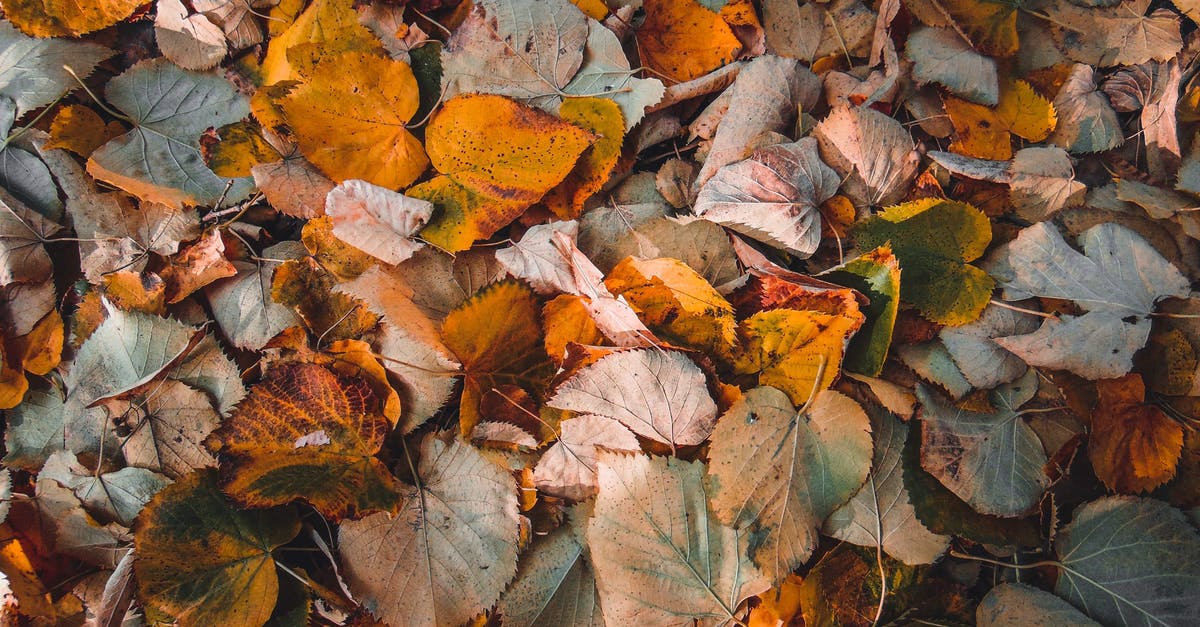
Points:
(1134, 446)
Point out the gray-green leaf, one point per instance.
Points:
(31, 69)
(554, 586)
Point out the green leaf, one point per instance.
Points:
(880, 514)
(993, 461)
(1019, 604)
(31, 69)
(448, 553)
(34, 430)
(877, 275)
(203, 562)
(934, 239)
(159, 159)
(778, 473)
(661, 557)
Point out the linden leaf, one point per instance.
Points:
(497, 336)
(1127, 560)
(554, 585)
(881, 513)
(446, 556)
(682, 39)
(875, 274)
(31, 70)
(242, 304)
(1133, 446)
(798, 352)
(816, 458)
(327, 27)
(34, 430)
(940, 56)
(1116, 281)
(605, 73)
(269, 462)
(934, 239)
(1126, 34)
(164, 429)
(524, 49)
(67, 18)
(991, 24)
(810, 31)
(986, 133)
(1086, 120)
(116, 496)
(308, 289)
(993, 461)
(349, 119)
(568, 468)
(982, 361)
(872, 153)
(293, 186)
(597, 163)
(675, 302)
(159, 159)
(192, 42)
(202, 561)
(376, 220)
(661, 556)
(773, 196)
(1021, 604)
(658, 394)
(81, 130)
(23, 257)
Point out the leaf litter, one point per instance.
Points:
(570, 312)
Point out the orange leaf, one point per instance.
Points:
(595, 166)
(67, 18)
(195, 266)
(683, 40)
(986, 133)
(307, 433)
(675, 302)
(79, 129)
(1134, 446)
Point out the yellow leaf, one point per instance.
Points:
(331, 23)
(595, 9)
(500, 148)
(991, 25)
(42, 347)
(343, 260)
(349, 120)
(462, 215)
(497, 337)
(13, 384)
(240, 147)
(985, 133)
(602, 117)
(128, 291)
(67, 18)
(787, 347)
(568, 320)
(80, 130)
(308, 289)
(675, 302)
(307, 433)
(683, 40)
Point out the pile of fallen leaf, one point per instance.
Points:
(660, 312)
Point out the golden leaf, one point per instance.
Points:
(786, 348)
(596, 165)
(675, 302)
(683, 40)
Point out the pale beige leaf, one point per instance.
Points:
(192, 42)
(164, 429)
(1120, 35)
(808, 31)
(237, 18)
(661, 557)
(554, 587)
(872, 152)
(658, 394)
(293, 186)
(448, 553)
(113, 496)
(536, 260)
(75, 531)
(942, 56)
(1086, 121)
(23, 258)
(376, 220)
(1043, 183)
(980, 359)
(568, 469)
(1022, 604)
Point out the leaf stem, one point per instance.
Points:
(1032, 312)
(98, 101)
(965, 556)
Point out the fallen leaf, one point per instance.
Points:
(328, 27)
(1018, 603)
(80, 129)
(1133, 446)
(1086, 120)
(877, 275)
(568, 468)
(554, 585)
(164, 429)
(675, 302)
(195, 266)
(242, 304)
(1112, 33)
(192, 42)
(597, 163)
(872, 153)
(940, 55)
(66, 18)
(116, 496)
(682, 39)
(816, 457)
(986, 132)
(32, 71)
(983, 362)
(376, 220)
(605, 73)
(799, 352)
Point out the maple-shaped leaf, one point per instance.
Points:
(498, 157)
(568, 468)
(792, 350)
(1126, 560)
(159, 159)
(675, 302)
(525, 49)
(66, 18)
(875, 274)
(554, 585)
(683, 39)
(1086, 120)
(660, 554)
(448, 553)
(986, 132)
(872, 153)
(773, 196)
(940, 55)
(764, 98)
(992, 460)
(32, 72)
(349, 118)
(1105, 35)
(816, 457)
(881, 514)
(307, 433)
(1022, 604)
(376, 220)
(191, 41)
(164, 429)
(1133, 446)
(658, 394)
(1116, 281)
(203, 561)
(497, 336)
(934, 240)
